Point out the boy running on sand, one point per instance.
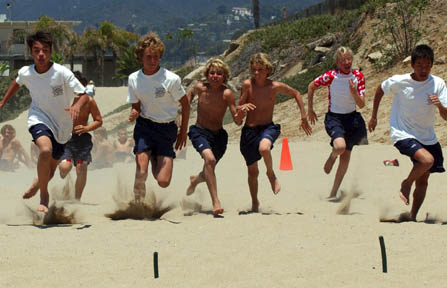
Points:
(207, 135)
(11, 151)
(417, 96)
(343, 123)
(259, 132)
(78, 149)
(50, 120)
(155, 93)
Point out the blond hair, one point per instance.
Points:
(262, 59)
(152, 41)
(219, 65)
(342, 51)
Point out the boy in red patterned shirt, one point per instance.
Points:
(343, 123)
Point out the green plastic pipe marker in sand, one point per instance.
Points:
(155, 265)
(382, 248)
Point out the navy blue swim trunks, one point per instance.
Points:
(42, 130)
(409, 146)
(252, 136)
(202, 139)
(78, 149)
(350, 126)
(159, 138)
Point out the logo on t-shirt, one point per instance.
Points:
(57, 90)
(159, 92)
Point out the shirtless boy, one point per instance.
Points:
(417, 96)
(259, 133)
(207, 135)
(11, 151)
(102, 153)
(52, 89)
(123, 146)
(155, 93)
(343, 123)
(78, 149)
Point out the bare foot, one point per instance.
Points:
(255, 206)
(29, 194)
(329, 163)
(43, 207)
(405, 192)
(192, 186)
(276, 187)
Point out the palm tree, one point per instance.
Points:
(128, 63)
(107, 37)
(255, 6)
(64, 38)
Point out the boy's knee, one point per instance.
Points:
(163, 183)
(45, 154)
(210, 162)
(253, 172)
(141, 173)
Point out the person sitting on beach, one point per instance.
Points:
(78, 149)
(155, 93)
(343, 123)
(123, 147)
(103, 154)
(417, 96)
(259, 132)
(53, 89)
(207, 135)
(11, 150)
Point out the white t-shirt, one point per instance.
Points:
(158, 93)
(340, 98)
(412, 113)
(51, 92)
(90, 89)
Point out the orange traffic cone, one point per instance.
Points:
(286, 161)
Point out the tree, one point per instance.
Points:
(63, 35)
(107, 37)
(401, 25)
(255, 7)
(128, 63)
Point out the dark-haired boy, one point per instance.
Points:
(417, 95)
(50, 120)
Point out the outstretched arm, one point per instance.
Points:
(229, 98)
(244, 107)
(135, 111)
(97, 119)
(289, 91)
(442, 110)
(359, 98)
(77, 106)
(181, 136)
(310, 103)
(22, 155)
(13, 88)
(377, 98)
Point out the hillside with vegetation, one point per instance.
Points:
(303, 49)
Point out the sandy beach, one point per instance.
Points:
(299, 238)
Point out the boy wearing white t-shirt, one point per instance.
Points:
(50, 119)
(417, 95)
(155, 93)
(343, 123)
